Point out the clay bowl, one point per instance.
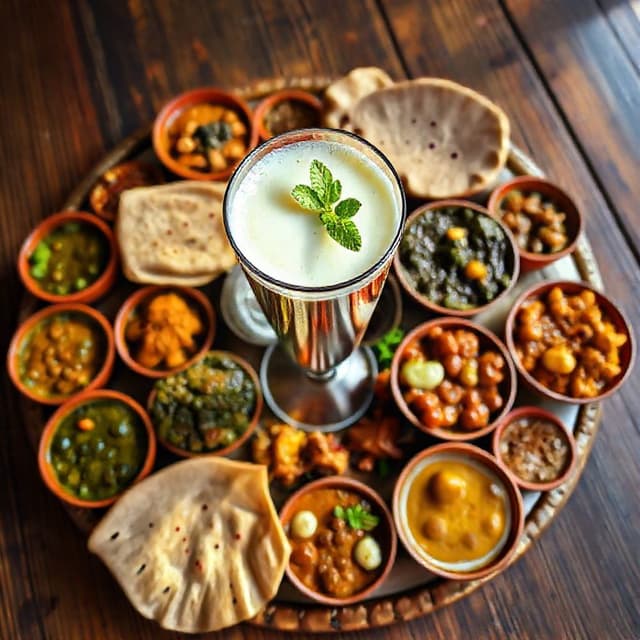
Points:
(194, 298)
(166, 117)
(469, 452)
(95, 290)
(610, 311)
(183, 453)
(27, 327)
(388, 541)
(46, 470)
(530, 261)
(543, 414)
(432, 306)
(292, 95)
(487, 340)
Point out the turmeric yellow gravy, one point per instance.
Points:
(457, 512)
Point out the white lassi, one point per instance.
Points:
(289, 243)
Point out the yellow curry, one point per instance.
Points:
(457, 513)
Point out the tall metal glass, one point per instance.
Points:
(316, 377)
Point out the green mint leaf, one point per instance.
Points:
(336, 191)
(321, 182)
(307, 198)
(342, 230)
(347, 208)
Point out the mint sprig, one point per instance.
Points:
(321, 197)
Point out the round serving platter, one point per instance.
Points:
(410, 591)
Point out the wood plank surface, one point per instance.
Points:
(85, 74)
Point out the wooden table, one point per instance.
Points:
(79, 76)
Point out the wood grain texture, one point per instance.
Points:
(82, 75)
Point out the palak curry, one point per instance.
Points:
(458, 514)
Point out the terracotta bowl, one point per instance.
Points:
(293, 95)
(470, 452)
(487, 339)
(613, 313)
(432, 306)
(46, 470)
(163, 121)
(193, 297)
(388, 542)
(530, 261)
(183, 453)
(536, 412)
(90, 293)
(25, 330)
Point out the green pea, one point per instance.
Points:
(80, 283)
(73, 479)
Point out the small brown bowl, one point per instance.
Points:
(426, 302)
(388, 543)
(291, 95)
(460, 450)
(487, 339)
(543, 414)
(529, 261)
(140, 297)
(90, 293)
(47, 472)
(251, 427)
(25, 330)
(166, 117)
(609, 309)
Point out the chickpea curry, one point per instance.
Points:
(333, 542)
(71, 258)
(98, 449)
(62, 355)
(567, 343)
(458, 514)
(449, 381)
(209, 137)
(456, 257)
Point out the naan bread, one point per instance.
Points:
(445, 140)
(197, 546)
(341, 96)
(173, 234)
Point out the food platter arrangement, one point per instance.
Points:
(267, 393)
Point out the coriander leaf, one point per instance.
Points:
(336, 190)
(357, 517)
(321, 182)
(338, 512)
(307, 198)
(347, 208)
(342, 230)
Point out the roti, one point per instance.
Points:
(445, 140)
(173, 234)
(197, 546)
(342, 95)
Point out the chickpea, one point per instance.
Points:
(532, 204)
(492, 398)
(230, 116)
(190, 127)
(474, 417)
(469, 373)
(514, 201)
(425, 401)
(530, 331)
(234, 149)
(446, 344)
(185, 144)
(468, 343)
(555, 240)
(305, 554)
(476, 270)
(217, 160)
(238, 129)
(471, 398)
(532, 311)
(432, 418)
(449, 392)
(450, 415)
(490, 365)
(452, 365)
(193, 160)
(413, 351)
(559, 359)
(435, 332)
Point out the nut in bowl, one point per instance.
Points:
(212, 407)
(455, 259)
(569, 342)
(69, 257)
(545, 221)
(162, 330)
(60, 351)
(458, 512)
(94, 447)
(453, 379)
(343, 540)
(535, 446)
(203, 134)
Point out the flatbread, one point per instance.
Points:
(445, 140)
(173, 234)
(197, 546)
(342, 95)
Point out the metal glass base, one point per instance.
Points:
(318, 403)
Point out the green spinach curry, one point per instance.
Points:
(456, 257)
(98, 449)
